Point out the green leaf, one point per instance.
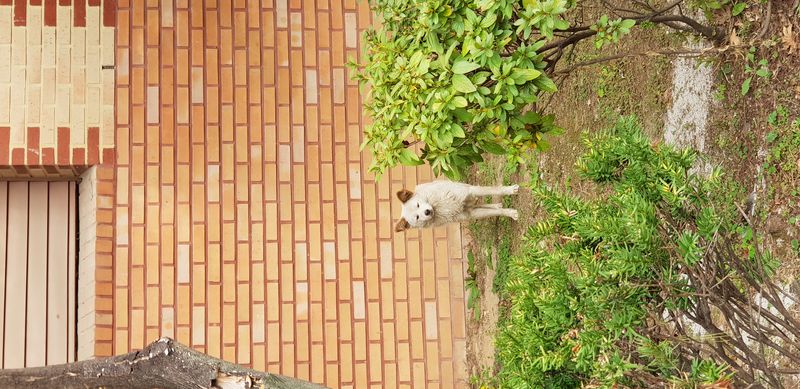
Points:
(434, 44)
(771, 136)
(423, 66)
(738, 8)
(462, 66)
(462, 114)
(445, 139)
(598, 44)
(746, 85)
(627, 24)
(459, 102)
(462, 84)
(772, 118)
(763, 72)
(489, 20)
(545, 84)
(531, 117)
(494, 148)
(523, 75)
(408, 158)
(458, 131)
(543, 145)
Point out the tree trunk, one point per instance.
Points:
(162, 364)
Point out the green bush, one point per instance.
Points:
(599, 288)
(456, 76)
(462, 77)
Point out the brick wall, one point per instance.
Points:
(56, 85)
(230, 207)
(247, 225)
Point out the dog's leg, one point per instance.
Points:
(482, 213)
(490, 206)
(480, 191)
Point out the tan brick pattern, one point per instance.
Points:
(246, 222)
(56, 85)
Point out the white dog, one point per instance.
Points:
(441, 202)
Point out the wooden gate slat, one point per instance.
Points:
(3, 246)
(16, 275)
(57, 273)
(72, 268)
(36, 322)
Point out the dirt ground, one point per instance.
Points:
(751, 137)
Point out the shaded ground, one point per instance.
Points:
(756, 136)
(752, 137)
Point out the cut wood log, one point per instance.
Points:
(162, 364)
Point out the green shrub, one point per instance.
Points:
(462, 77)
(458, 77)
(597, 297)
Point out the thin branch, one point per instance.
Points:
(711, 33)
(650, 53)
(765, 25)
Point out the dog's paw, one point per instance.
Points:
(512, 190)
(513, 214)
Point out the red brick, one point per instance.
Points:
(109, 13)
(79, 156)
(20, 12)
(50, 12)
(79, 13)
(33, 146)
(18, 157)
(93, 150)
(48, 156)
(5, 154)
(109, 156)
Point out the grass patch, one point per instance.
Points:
(783, 156)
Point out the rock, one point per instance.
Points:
(776, 225)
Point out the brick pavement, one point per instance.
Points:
(235, 211)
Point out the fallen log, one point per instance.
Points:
(162, 364)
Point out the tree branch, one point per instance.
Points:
(657, 16)
(764, 26)
(650, 53)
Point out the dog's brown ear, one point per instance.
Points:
(401, 225)
(404, 195)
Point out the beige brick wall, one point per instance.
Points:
(56, 98)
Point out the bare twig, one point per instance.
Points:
(651, 53)
(711, 33)
(746, 330)
(765, 24)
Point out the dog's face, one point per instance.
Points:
(416, 212)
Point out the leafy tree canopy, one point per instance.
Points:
(462, 77)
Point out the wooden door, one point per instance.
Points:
(37, 273)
